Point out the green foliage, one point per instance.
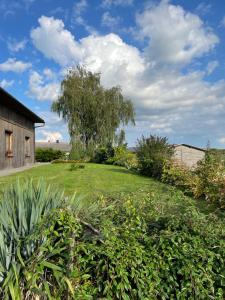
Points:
(207, 181)
(74, 167)
(93, 113)
(141, 246)
(124, 158)
(179, 176)
(21, 208)
(47, 154)
(211, 175)
(145, 254)
(77, 151)
(152, 152)
(102, 154)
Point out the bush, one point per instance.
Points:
(124, 158)
(141, 254)
(47, 154)
(179, 176)
(152, 152)
(102, 154)
(211, 174)
(207, 181)
(132, 248)
(74, 167)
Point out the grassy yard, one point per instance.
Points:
(97, 179)
(94, 179)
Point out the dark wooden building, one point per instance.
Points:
(17, 132)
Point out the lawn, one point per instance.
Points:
(94, 179)
(97, 179)
(109, 180)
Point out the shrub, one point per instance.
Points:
(74, 167)
(211, 174)
(102, 154)
(152, 152)
(47, 154)
(124, 158)
(145, 255)
(179, 176)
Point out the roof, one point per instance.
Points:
(65, 147)
(12, 103)
(190, 146)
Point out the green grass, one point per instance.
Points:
(97, 179)
(94, 179)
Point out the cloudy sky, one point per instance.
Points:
(168, 57)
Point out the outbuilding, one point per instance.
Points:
(17, 132)
(187, 155)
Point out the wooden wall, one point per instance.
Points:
(188, 156)
(21, 128)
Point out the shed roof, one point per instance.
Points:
(190, 146)
(12, 103)
(65, 147)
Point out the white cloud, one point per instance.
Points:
(222, 140)
(49, 73)
(80, 7)
(203, 8)
(55, 42)
(108, 3)
(166, 100)
(41, 90)
(49, 136)
(15, 46)
(211, 66)
(6, 83)
(223, 22)
(13, 65)
(175, 36)
(110, 21)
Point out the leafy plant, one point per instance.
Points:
(74, 167)
(102, 154)
(22, 207)
(152, 152)
(47, 154)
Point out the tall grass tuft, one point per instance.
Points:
(22, 206)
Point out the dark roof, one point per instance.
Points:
(190, 146)
(65, 147)
(12, 103)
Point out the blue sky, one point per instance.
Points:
(168, 57)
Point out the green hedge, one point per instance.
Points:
(47, 154)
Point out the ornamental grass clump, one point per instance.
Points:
(22, 207)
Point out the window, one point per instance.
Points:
(27, 146)
(8, 143)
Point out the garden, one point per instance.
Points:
(108, 223)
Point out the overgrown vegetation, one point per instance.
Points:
(207, 181)
(152, 152)
(139, 246)
(47, 154)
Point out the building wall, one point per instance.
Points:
(21, 128)
(188, 156)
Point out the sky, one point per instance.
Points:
(167, 56)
